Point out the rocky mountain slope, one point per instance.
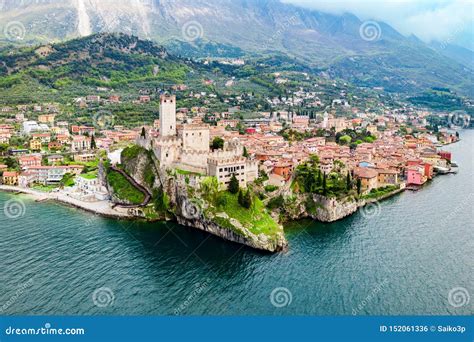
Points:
(380, 55)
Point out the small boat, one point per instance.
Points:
(441, 170)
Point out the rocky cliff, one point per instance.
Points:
(190, 209)
(317, 207)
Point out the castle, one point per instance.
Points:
(187, 147)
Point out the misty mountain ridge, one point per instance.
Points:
(366, 53)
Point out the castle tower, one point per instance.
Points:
(326, 120)
(167, 115)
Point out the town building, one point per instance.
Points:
(10, 178)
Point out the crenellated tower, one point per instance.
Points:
(168, 115)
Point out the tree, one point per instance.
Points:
(217, 143)
(233, 186)
(348, 181)
(11, 163)
(245, 154)
(241, 198)
(93, 144)
(325, 190)
(3, 149)
(245, 200)
(345, 140)
(359, 186)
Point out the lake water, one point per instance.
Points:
(403, 258)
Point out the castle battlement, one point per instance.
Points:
(167, 141)
(192, 127)
(226, 161)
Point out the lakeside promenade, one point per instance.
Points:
(103, 208)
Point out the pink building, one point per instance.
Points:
(416, 176)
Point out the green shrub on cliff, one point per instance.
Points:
(161, 201)
(256, 218)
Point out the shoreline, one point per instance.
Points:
(107, 209)
(101, 208)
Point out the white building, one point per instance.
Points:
(33, 127)
(90, 188)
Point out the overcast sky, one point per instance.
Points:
(442, 20)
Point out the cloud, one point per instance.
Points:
(429, 20)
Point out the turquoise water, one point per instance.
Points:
(405, 260)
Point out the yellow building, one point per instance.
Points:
(35, 145)
(46, 118)
(10, 178)
(387, 177)
(368, 178)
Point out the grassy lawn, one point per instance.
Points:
(256, 219)
(88, 176)
(376, 193)
(123, 189)
(44, 188)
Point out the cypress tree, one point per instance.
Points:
(245, 154)
(325, 190)
(247, 200)
(233, 186)
(93, 144)
(241, 198)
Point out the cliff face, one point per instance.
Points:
(318, 208)
(191, 212)
(331, 209)
(140, 165)
(189, 209)
(244, 237)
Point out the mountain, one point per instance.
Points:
(77, 67)
(455, 52)
(366, 53)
